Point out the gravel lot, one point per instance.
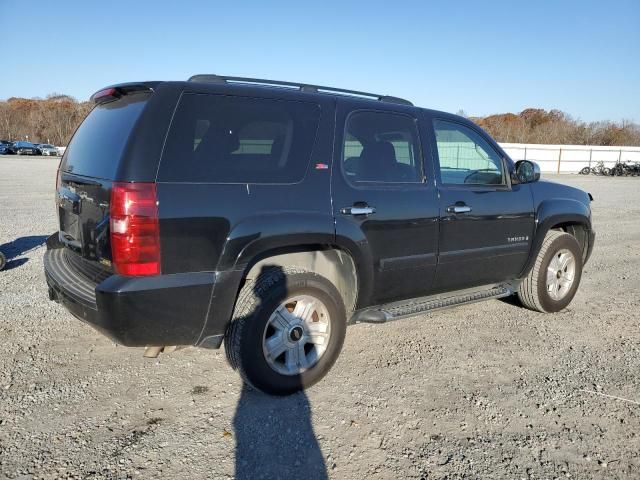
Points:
(483, 391)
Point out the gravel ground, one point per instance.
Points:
(489, 390)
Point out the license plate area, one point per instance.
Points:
(70, 231)
(69, 204)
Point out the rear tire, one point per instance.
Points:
(251, 334)
(3, 261)
(585, 171)
(553, 281)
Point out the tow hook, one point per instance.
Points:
(153, 352)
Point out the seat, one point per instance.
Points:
(352, 166)
(214, 152)
(378, 163)
(217, 144)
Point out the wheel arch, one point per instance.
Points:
(579, 231)
(305, 240)
(329, 261)
(565, 214)
(310, 243)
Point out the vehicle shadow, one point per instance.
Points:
(274, 435)
(511, 300)
(18, 247)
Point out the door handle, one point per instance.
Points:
(458, 209)
(357, 210)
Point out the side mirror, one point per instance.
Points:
(527, 171)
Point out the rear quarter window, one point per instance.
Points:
(97, 146)
(229, 139)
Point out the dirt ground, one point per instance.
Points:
(489, 390)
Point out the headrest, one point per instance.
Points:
(379, 152)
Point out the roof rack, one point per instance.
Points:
(303, 87)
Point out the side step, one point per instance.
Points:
(418, 306)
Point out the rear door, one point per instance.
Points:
(486, 223)
(87, 170)
(383, 199)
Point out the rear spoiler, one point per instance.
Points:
(116, 91)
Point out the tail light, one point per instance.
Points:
(107, 93)
(135, 230)
(112, 93)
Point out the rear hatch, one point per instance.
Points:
(87, 171)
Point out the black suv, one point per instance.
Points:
(271, 215)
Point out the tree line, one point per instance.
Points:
(535, 125)
(50, 120)
(55, 118)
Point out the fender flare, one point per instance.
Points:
(553, 212)
(259, 237)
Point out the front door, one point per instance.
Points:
(383, 202)
(486, 223)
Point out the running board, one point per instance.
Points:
(418, 306)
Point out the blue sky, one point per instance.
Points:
(582, 57)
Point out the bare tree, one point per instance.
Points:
(55, 118)
(535, 125)
(52, 120)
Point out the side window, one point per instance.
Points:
(381, 147)
(465, 157)
(227, 139)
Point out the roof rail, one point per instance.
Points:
(303, 87)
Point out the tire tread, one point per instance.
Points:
(528, 292)
(248, 298)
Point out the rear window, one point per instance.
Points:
(96, 147)
(227, 139)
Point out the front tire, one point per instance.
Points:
(553, 281)
(287, 332)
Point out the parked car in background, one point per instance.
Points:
(4, 147)
(24, 148)
(48, 149)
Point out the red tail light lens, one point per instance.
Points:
(135, 230)
(106, 94)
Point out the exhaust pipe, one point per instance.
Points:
(153, 352)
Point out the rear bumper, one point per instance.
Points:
(135, 311)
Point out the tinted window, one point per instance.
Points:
(465, 157)
(97, 145)
(226, 139)
(381, 147)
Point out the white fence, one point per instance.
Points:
(570, 158)
(555, 158)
